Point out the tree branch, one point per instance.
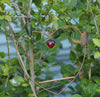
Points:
(8, 52)
(29, 9)
(19, 11)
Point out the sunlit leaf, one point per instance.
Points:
(76, 95)
(97, 55)
(96, 41)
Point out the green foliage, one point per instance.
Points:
(97, 55)
(78, 48)
(5, 69)
(57, 14)
(44, 94)
(72, 56)
(2, 94)
(88, 88)
(76, 95)
(76, 36)
(5, 1)
(96, 42)
(2, 54)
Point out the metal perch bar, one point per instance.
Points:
(57, 80)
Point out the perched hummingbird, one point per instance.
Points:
(28, 27)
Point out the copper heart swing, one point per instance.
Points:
(49, 35)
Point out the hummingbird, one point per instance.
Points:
(28, 27)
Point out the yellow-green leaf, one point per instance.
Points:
(97, 55)
(96, 42)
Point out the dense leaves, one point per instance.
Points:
(83, 14)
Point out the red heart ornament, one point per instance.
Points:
(50, 43)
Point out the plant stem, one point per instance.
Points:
(32, 68)
(8, 51)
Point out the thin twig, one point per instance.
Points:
(38, 62)
(42, 33)
(29, 9)
(8, 52)
(57, 80)
(89, 72)
(19, 11)
(23, 44)
(11, 30)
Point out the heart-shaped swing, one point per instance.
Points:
(49, 35)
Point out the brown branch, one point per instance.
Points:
(31, 63)
(23, 44)
(24, 6)
(11, 30)
(42, 33)
(89, 73)
(38, 62)
(72, 47)
(18, 55)
(29, 9)
(7, 80)
(19, 11)
(57, 80)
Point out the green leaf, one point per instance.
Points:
(78, 48)
(76, 95)
(2, 54)
(38, 37)
(7, 17)
(76, 70)
(98, 17)
(43, 94)
(76, 36)
(88, 28)
(37, 2)
(63, 36)
(2, 94)
(6, 1)
(5, 70)
(61, 23)
(55, 24)
(97, 81)
(97, 55)
(96, 41)
(70, 2)
(24, 84)
(88, 88)
(98, 89)
(2, 17)
(50, 59)
(75, 14)
(21, 80)
(72, 56)
(16, 78)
